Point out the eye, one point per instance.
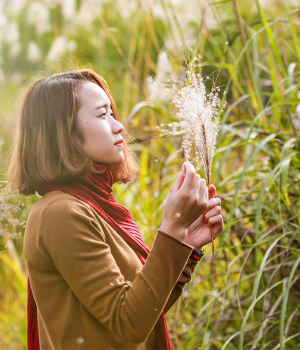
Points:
(104, 114)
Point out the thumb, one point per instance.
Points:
(212, 191)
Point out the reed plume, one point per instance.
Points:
(198, 114)
(12, 218)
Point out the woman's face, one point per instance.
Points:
(100, 129)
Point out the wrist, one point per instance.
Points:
(198, 248)
(175, 231)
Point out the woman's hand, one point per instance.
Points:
(188, 198)
(198, 233)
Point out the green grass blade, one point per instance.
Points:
(251, 307)
(262, 265)
(271, 38)
(285, 300)
(286, 340)
(295, 36)
(245, 168)
(259, 31)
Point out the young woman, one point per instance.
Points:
(92, 281)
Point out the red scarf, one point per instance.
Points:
(95, 190)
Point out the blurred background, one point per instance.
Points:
(248, 297)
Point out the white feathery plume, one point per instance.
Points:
(12, 218)
(198, 115)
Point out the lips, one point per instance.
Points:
(119, 142)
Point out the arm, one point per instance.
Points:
(183, 279)
(75, 242)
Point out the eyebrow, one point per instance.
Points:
(103, 105)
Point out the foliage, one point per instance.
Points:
(248, 297)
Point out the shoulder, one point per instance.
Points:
(59, 211)
(60, 204)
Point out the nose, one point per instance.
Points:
(120, 127)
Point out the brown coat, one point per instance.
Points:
(90, 287)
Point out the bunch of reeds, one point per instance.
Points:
(247, 298)
(198, 113)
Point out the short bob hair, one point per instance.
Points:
(48, 144)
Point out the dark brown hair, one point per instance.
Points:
(48, 143)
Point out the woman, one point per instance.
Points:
(92, 281)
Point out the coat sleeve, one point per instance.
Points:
(182, 281)
(71, 235)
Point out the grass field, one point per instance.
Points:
(248, 297)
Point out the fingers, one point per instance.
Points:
(178, 181)
(196, 184)
(216, 220)
(188, 180)
(213, 203)
(212, 212)
(200, 187)
(190, 172)
(203, 190)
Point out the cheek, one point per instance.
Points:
(93, 127)
(95, 134)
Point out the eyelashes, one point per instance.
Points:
(104, 114)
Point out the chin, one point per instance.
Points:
(118, 162)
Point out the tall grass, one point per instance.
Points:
(248, 297)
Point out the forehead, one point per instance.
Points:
(91, 93)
